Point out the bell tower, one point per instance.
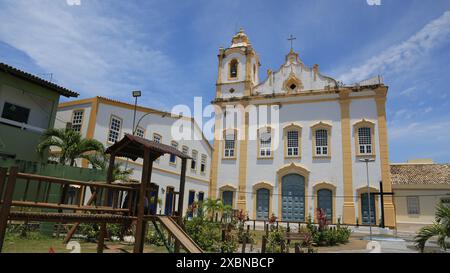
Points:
(238, 70)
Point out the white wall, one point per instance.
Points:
(321, 170)
(164, 174)
(40, 108)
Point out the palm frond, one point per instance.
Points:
(426, 233)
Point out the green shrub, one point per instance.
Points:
(154, 238)
(328, 236)
(207, 234)
(275, 239)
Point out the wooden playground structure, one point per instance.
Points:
(110, 202)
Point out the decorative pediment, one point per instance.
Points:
(292, 84)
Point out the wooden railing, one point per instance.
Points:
(47, 200)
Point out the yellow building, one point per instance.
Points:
(419, 186)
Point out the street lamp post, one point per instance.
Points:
(367, 160)
(136, 95)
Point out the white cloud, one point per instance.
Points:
(402, 56)
(429, 130)
(85, 50)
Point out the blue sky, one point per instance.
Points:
(168, 49)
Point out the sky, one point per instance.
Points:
(168, 49)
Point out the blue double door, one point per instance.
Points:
(262, 204)
(293, 198)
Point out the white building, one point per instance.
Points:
(108, 120)
(304, 152)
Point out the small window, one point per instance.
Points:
(413, 204)
(232, 90)
(321, 142)
(203, 164)
(157, 138)
(114, 129)
(77, 120)
(292, 143)
(230, 145)
(185, 150)
(233, 68)
(194, 160)
(293, 86)
(140, 132)
(15, 112)
(365, 140)
(173, 158)
(265, 143)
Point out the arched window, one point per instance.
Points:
(321, 134)
(292, 136)
(194, 160)
(229, 149)
(364, 138)
(173, 158)
(233, 68)
(321, 142)
(265, 142)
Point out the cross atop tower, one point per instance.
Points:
(291, 39)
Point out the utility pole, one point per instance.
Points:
(367, 160)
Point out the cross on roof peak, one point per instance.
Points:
(291, 39)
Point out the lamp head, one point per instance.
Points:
(136, 93)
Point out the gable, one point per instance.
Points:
(294, 77)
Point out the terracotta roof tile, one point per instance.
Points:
(437, 174)
(34, 79)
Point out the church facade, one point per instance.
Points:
(297, 141)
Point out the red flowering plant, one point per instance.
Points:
(272, 219)
(322, 219)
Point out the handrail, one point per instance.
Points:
(73, 182)
(65, 207)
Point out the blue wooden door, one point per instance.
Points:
(262, 204)
(227, 198)
(169, 201)
(190, 202)
(365, 209)
(325, 202)
(293, 198)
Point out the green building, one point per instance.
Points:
(28, 106)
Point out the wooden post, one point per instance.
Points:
(181, 199)
(75, 226)
(264, 242)
(6, 206)
(3, 172)
(244, 243)
(109, 178)
(223, 239)
(146, 177)
(254, 225)
(182, 186)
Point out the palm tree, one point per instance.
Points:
(101, 162)
(227, 212)
(441, 229)
(71, 144)
(212, 205)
